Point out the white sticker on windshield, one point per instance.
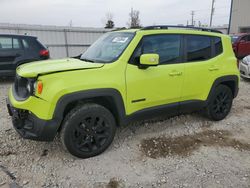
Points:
(120, 39)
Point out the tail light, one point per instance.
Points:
(44, 53)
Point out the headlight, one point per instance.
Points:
(28, 87)
(245, 62)
(23, 87)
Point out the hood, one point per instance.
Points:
(50, 66)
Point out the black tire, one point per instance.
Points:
(220, 103)
(88, 130)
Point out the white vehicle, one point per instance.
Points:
(245, 68)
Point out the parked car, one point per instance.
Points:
(123, 77)
(241, 44)
(245, 68)
(19, 49)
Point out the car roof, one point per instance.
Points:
(17, 36)
(174, 29)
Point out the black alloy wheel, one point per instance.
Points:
(88, 130)
(220, 104)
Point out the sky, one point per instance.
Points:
(91, 13)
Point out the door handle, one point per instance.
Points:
(213, 68)
(175, 73)
(18, 55)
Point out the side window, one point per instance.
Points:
(25, 44)
(218, 46)
(9, 43)
(198, 48)
(16, 44)
(166, 46)
(5, 43)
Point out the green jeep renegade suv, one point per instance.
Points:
(124, 76)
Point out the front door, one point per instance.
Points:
(156, 85)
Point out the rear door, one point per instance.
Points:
(10, 52)
(202, 65)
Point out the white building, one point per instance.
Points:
(61, 41)
(240, 16)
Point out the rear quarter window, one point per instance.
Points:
(33, 44)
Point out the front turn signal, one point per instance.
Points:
(39, 87)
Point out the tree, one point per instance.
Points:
(134, 20)
(109, 21)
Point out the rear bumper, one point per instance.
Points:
(31, 127)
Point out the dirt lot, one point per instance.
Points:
(184, 151)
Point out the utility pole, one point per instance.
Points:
(192, 14)
(212, 13)
(230, 18)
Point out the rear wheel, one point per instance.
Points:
(88, 130)
(220, 103)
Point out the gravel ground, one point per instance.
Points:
(184, 151)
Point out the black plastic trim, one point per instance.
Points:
(138, 100)
(31, 127)
(169, 110)
(90, 94)
(220, 80)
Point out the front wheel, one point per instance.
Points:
(88, 130)
(220, 103)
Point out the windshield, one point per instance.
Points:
(108, 48)
(234, 38)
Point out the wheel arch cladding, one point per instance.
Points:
(230, 81)
(109, 98)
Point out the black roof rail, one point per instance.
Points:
(178, 26)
